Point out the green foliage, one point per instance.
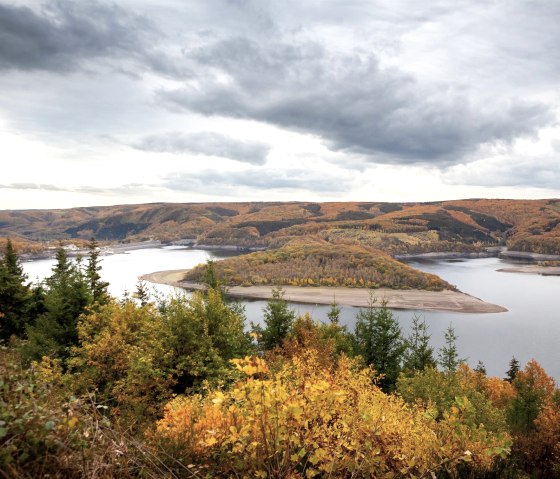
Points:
(16, 297)
(97, 287)
(441, 391)
(511, 373)
(334, 313)
(67, 296)
(278, 321)
(210, 279)
(379, 341)
(419, 355)
(201, 335)
(121, 356)
(448, 357)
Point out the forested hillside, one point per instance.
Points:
(347, 244)
(526, 225)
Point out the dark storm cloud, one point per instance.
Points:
(206, 143)
(350, 102)
(219, 182)
(58, 37)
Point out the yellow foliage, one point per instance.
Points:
(306, 420)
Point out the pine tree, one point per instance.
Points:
(334, 313)
(448, 357)
(142, 294)
(513, 370)
(97, 287)
(481, 368)
(15, 295)
(379, 341)
(278, 320)
(67, 297)
(419, 354)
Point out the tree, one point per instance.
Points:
(419, 354)
(67, 297)
(480, 368)
(511, 373)
(15, 295)
(334, 313)
(210, 278)
(142, 294)
(202, 333)
(278, 321)
(379, 341)
(448, 357)
(97, 287)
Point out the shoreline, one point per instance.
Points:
(532, 269)
(414, 299)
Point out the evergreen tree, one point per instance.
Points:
(278, 320)
(419, 354)
(481, 368)
(379, 341)
(210, 279)
(513, 370)
(15, 295)
(97, 287)
(67, 297)
(142, 294)
(448, 357)
(334, 313)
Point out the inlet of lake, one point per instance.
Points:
(529, 329)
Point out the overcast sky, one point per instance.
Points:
(234, 100)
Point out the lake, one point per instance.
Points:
(530, 329)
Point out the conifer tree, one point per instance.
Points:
(67, 297)
(419, 354)
(448, 357)
(379, 341)
(513, 370)
(334, 313)
(481, 368)
(278, 320)
(15, 295)
(97, 287)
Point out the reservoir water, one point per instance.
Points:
(530, 328)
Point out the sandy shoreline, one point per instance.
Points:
(533, 269)
(452, 301)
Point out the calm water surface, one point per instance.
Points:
(530, 329)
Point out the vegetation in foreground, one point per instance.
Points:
(95, 387)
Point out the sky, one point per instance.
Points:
(258, 100)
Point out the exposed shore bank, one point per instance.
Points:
(452, 301)
(532, 269)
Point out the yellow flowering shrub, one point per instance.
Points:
(310, 421)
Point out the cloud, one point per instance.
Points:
(350, 101)
(222, 183)
(206, 143)
(538, 171)
(126, 189)
(62, 34)
(33, 186)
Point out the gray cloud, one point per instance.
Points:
(539, 172)
(206, 143)
(126, 189)
(32, 186)
(61, 34)
(222, 183)
(350, 101)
